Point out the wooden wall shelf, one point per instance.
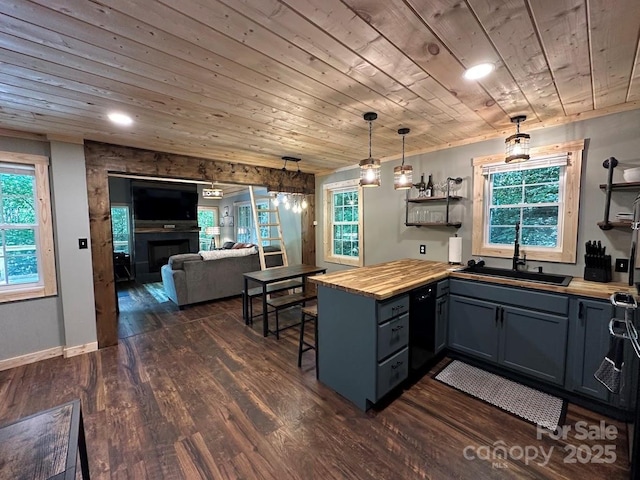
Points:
(432, 199)
(622, 186)
(434, 224)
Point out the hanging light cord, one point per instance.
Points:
(403, 150)
(370, 124)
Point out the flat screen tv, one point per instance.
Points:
(166, 204)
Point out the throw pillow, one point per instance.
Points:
(228, 245)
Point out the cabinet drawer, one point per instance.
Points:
(392, 372)
(442, 288)
(393, 308)
(392, 336)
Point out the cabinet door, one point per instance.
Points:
(473, 327)
(442, 320)
(534, 343)
(588, 346)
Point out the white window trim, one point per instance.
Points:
(128, 206)
(47, 286)
(567, 251)
(216, 215)
(253, 234)
(327, 191)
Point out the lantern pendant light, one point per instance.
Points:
(517, 146)
(403, 175)
(370, 167)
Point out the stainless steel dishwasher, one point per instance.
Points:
(422, 328)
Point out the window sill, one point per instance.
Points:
(354, 262)
(536, 255)
(27, 293)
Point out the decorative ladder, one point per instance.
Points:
(273, 224)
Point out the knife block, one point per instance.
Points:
(601, 273)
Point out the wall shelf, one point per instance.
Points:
(432, 199)
(622, 186)
(445, 219)
(609, 187)
(434, 224)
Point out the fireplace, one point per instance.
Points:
(159, 251)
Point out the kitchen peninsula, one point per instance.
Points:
(551, 334)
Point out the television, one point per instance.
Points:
(165, 204)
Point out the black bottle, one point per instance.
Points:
(429, 192)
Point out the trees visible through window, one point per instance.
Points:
(27, 267)
(245, 231)
(207, 218)
(120, 228)
(542, 194)
(532, 198)
(343, 223)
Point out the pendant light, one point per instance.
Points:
(517, 146)
(370, 167)
(213, 193)
(403, 175)
(289, 200)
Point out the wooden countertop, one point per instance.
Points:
(386, 280)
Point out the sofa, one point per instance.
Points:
(189, 278)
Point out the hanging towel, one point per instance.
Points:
(610, 371)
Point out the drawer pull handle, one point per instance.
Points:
(398, 364)
(398, 328)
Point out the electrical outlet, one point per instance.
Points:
(82, 243)
(622, 264)
(423, 249)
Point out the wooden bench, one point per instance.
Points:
(271, 288)
(286, 301)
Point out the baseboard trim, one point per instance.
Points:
(30, 358)
(80, 349)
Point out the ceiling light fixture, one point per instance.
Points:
(290, 200)
(403, 174)
(121, 119)
(479, 71)
(370, 167)
(517, 145)
(213, 193)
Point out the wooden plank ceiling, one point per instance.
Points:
(251, 81)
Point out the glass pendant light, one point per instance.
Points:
(517, 146)
(370, 167)
(403, 175)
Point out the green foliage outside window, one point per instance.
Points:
(530, 197)
(120, 229)
(18, 229)
(207, 217)
(345, 224)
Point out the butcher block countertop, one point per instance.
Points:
(386, 280)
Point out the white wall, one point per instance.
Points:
(387, 238)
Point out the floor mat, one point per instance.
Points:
(527, 403)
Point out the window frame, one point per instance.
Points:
(47, 284)
(216, 223)
(253, 231)
(129, 229)
(327, 192)
(566, 252)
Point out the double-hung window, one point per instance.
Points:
(121, 228)
(245, 231)
(207, 220)
(343, 223)
(27, 265)
(540, 195)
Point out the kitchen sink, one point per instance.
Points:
(538, 277)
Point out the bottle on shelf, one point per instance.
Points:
(422, 187)
(429, 190)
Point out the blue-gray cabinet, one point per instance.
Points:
(588, 344)
(362, 344)
(501, 325)
(442, 322)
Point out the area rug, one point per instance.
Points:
(524, 402)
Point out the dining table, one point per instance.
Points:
(274, 275)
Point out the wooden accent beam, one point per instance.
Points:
(102, 159)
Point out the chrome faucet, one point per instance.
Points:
(516, 251)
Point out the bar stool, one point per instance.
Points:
(309, 314)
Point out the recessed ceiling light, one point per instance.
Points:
(120, 119)
(479, 71)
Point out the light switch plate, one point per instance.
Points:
(423, 249)
(83, 243)
(622, 264)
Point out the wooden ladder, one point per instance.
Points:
(274, 226)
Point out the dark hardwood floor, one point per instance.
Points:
(196, 394)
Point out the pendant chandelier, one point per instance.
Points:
(213, 193)
(403, 175)
(517, 146)
(370, 167)
(289, 200)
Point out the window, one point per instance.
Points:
(245, 231)
(120, 228)
(27, 267)
(541, 194)
(343, 223)
(207, 217)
